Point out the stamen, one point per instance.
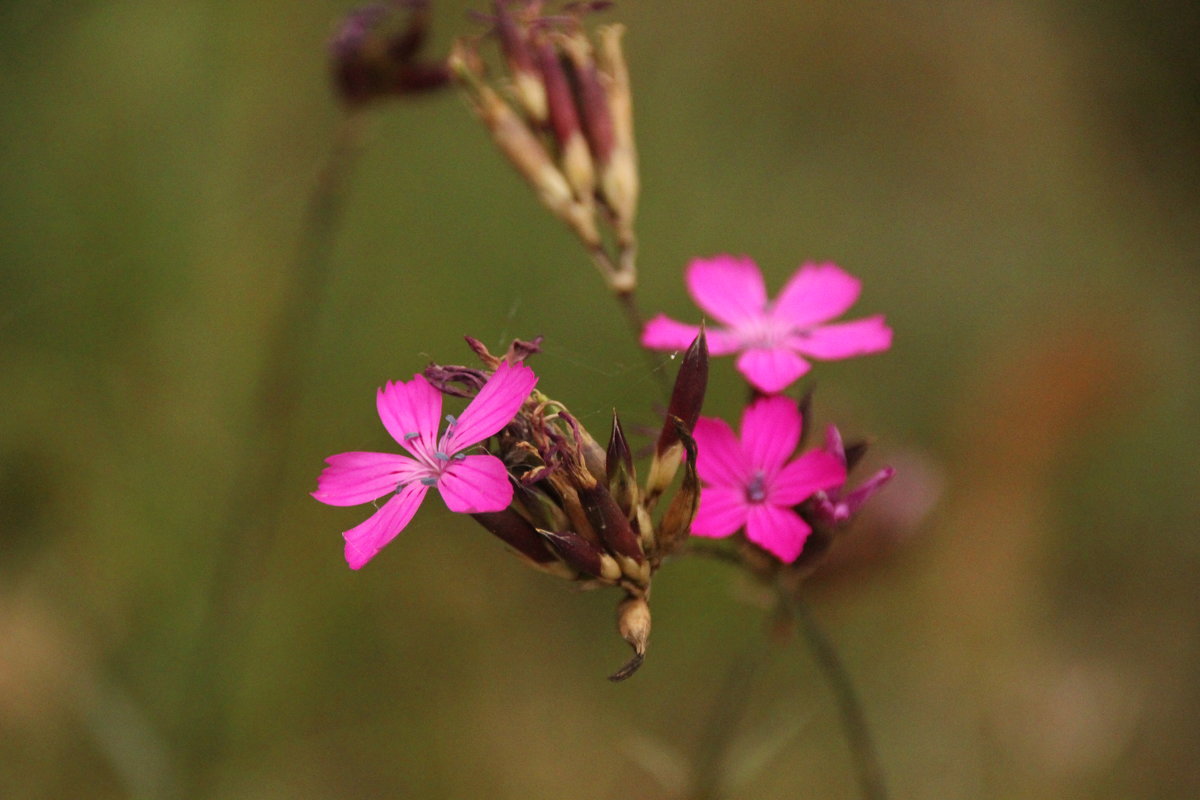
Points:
(756, 490)
(429, 481)
(440, 456)
(408, 437)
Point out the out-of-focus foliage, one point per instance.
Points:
(1017, 185)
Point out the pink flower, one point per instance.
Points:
(836, 506)
(750, 483)
(773, 337)
(410, 412)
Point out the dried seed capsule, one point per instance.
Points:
(633, 623)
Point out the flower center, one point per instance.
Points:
(765, 332)
(756, 489)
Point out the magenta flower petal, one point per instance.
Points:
(750, 482)
(493, 408)
(817, 293)
(721, 512)
(410, 412)
(720, 459)
(729, 289)
(363, 541)
(778, 530)
(773, 337)
(845, 339)
(771, 370)
(351, 479)
(476, 484)
(664, 333)
(770, 432)
(814, 471)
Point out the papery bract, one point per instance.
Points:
(775, 337)
(411, 413)
(750, 482)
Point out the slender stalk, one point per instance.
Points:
(854, 720)
(726, 712)
(863, 754)
(625, 297)
(246, 531)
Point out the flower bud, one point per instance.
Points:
(687, 397)
(581, 554)
(622, 478)
(564, 122)
(612, 526)
(594, 111)
(515, 531)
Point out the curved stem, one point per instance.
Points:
(865, 758)
(854, 720)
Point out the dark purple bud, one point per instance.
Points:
(622, 477)
(610, 523)
(515, 531)
(593, 104)
(560, 102)
(582, 555)
(687, 396)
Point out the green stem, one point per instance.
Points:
(627, 301)
(727, 710)
(854, 720)
(865, 758)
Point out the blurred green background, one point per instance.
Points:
(1016, 183)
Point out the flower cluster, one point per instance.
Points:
(539, 481)
(517, 461)
(750, 484)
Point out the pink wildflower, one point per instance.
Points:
(835, 505)
(410, 412)
(773, 337)
(750, 482)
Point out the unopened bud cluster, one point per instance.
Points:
(578, 509)
(564, 117)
